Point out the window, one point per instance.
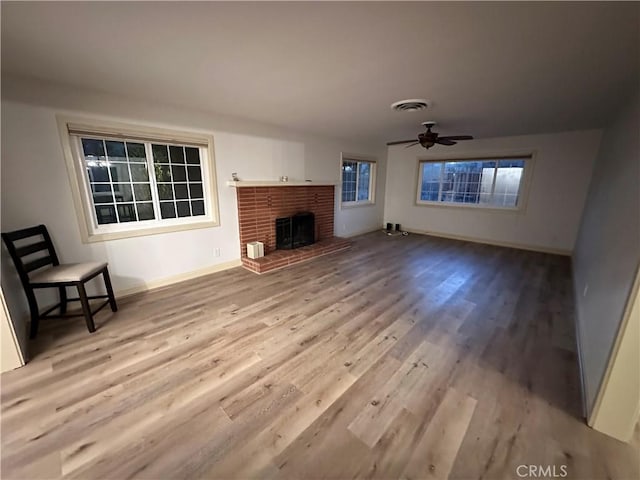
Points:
(491, 183)
(133, 183)
(358, 181)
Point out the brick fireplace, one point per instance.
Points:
(258, 208)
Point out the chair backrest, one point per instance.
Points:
(31, 241)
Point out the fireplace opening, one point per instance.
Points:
(296, 231)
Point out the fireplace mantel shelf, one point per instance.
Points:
(276, 183)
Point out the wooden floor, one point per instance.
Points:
(404, 357)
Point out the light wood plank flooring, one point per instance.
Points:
(404, 357)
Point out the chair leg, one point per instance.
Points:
(35, 314)
(107, 284)
(63, 300)
(86, 309)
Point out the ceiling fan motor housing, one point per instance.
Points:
(428, 138)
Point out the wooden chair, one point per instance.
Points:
(33, 275)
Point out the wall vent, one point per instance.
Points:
(410, 105)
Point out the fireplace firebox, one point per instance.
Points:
(296, 231)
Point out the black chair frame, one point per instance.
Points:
(17, 254)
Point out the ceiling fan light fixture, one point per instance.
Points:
(410, 105)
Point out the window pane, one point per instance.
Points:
(136, 152)
(115, 151)
(471, 198)
(183, 209)
(101, 193)
(486, 185)
(93, 149)
(510, 200)
(122, 192)
(122, 187)
(177, 154)
(461, 181)
(163, 173)
(473, 181)
(181, 190)
(126, 212)
(196, 190)
(145, 211)
(167, 210)
(430, 181)
(194, 174)
(165, 191)
(160, 153)
(430, 186)
(178, 173)
(98, 174)
(120, 172)
(193, 156)
(139, 172)
(429, 196)
(511, 163)
(105, 214)
(349, 195)
(142, 191)
(349, 172)
(197, 207)
(507, 183)
(431, 172)
(364, 174)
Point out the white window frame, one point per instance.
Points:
(523, 188)
(349, 157)
(90, 230)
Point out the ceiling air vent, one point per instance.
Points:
(411, 105)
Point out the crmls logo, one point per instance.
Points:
(541, 471)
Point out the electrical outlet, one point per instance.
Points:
(216, 252)
(586, 289)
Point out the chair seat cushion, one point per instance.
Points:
(70, 272)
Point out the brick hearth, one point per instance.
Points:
(283, 258)
(258, 208)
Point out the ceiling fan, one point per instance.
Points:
(428, 139)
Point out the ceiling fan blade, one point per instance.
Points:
(412, 144)
(445, 141)
(401, 141)
(458, 137)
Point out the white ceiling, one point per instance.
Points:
(490, 69)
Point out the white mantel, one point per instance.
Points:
(276, 183)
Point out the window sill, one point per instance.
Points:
(347, 205)
(142, 232)
(463, 206)
(276, 183)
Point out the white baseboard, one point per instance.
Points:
(361, 232)
(497, 243)
(163, 282)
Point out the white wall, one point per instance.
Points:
(607, 251)
(562, 169)
(35, 185)
(618, 409)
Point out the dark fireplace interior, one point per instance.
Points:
(296, 231)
